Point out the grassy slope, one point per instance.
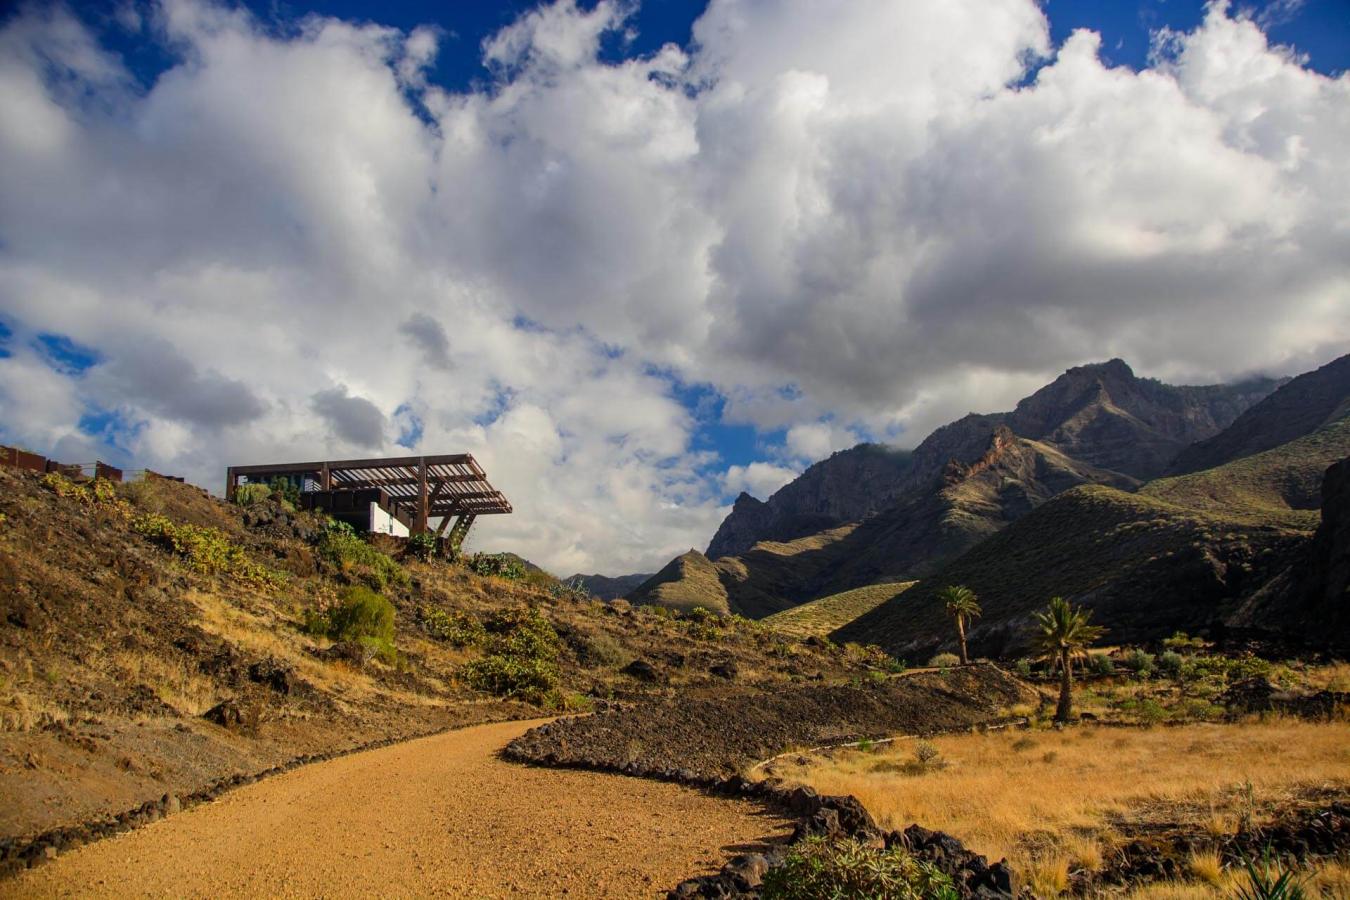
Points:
(1279, 486)
(1175, 555)
(820, 617)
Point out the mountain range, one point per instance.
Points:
(1222, 481)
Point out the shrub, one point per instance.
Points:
(289, 490)
(422, 545)
(945, 661)
(499, 565)
(249, 494)
(1184, 643)
(99, 493)
(568, 590)
(360, 615)
(1223, 669)
(458, 629)
(1023, 667)
(1170, 663)
(1140, 663)
(207, 550)
(520, 659)
(818, 868)
(341, 545)
(1269, 881)
(1101, 664)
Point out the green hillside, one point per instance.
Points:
(820, 617)
(1278, 486)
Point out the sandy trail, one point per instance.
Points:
(439, 816)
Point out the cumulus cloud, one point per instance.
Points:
(758, 479)
(846, 219)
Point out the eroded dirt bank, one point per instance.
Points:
(439, 816)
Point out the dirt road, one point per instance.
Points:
(439, 816)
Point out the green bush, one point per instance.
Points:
(459, 629)
(1170, 663)
(945, 661)
(422, 545)
(520, 658)
(1224, 670)
(820, 869)
(1023, 667)
(207, 550)
(1101, 664)
(288, 489)
(249, 494)
(1140, 663)
(360, 615)
(497, 564)
(341, 545)
(1184, 643)
(568, 590)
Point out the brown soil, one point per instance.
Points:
(442, 816)
(710, 737)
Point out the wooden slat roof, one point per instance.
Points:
(456, 483)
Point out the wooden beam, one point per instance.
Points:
(463, 459)
(423, 502)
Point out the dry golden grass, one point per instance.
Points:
(1048, 799)
(23, 710)
(188, 692)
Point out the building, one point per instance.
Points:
(398, 495)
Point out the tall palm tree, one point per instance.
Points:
(962, 605)
(1063, 635)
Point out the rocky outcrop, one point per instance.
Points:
(848, 486)
(1297, 408)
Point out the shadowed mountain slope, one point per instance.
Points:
(609, 588)
(1299, 407)
(1183, 553)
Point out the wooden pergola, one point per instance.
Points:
(452, 488)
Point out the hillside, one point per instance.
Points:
(1298, 408)
(907, 513)
(1183, 553)
(154, 639)
(820, 617)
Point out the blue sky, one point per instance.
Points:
(636, 281)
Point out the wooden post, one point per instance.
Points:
(231, 483)
(325, 478)
(423, 501)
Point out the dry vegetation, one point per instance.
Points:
(1053, 801)
(820, 617)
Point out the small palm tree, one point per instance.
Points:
(962, 605)
(1063, 635)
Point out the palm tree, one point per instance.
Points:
(1063, 635)
(962, 605)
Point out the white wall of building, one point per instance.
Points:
(383, 523)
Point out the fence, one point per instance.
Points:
(22, 459)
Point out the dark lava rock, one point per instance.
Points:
(272, 673)
(641, 670)
(1249, 695)
(226, 714)
(747, 870)
(725, 670)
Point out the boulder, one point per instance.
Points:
(226, 714)
(641, 670)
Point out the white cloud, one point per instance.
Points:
(847, 217)
(758, 479)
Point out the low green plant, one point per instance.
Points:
(568, 590)
(1141, 663)
(945, 661)
(1101, 664)
(422, 544)
(359, 615)
(1170, 663)
(1269, 881)
(1182, 642)
(1023, 667)
(341, 545)
(822, 869)
(458, 629)
(249, 494)
(520, 658)
(499, 565)
(207, 550)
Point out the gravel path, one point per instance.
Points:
(439, 816)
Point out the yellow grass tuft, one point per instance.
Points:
(1206, 866)
(1048, 877)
